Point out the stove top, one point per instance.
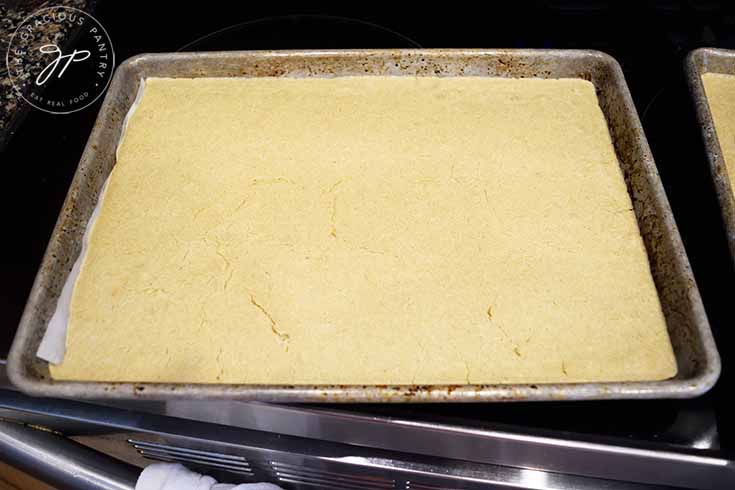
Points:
(649, 42)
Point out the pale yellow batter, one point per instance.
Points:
(366, 230)
(720, 91)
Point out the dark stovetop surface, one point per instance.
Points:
(650, 43)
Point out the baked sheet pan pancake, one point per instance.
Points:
(697, 359)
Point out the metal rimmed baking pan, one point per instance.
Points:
(697, 358)
(699, 62)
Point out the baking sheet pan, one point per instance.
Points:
(697, 357)
(699, 62)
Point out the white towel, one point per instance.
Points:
(173, 476)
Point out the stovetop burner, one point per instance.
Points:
(302, 31)
(650, 44)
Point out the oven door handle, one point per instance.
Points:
(61, 462)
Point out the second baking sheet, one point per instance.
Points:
(717, 140)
